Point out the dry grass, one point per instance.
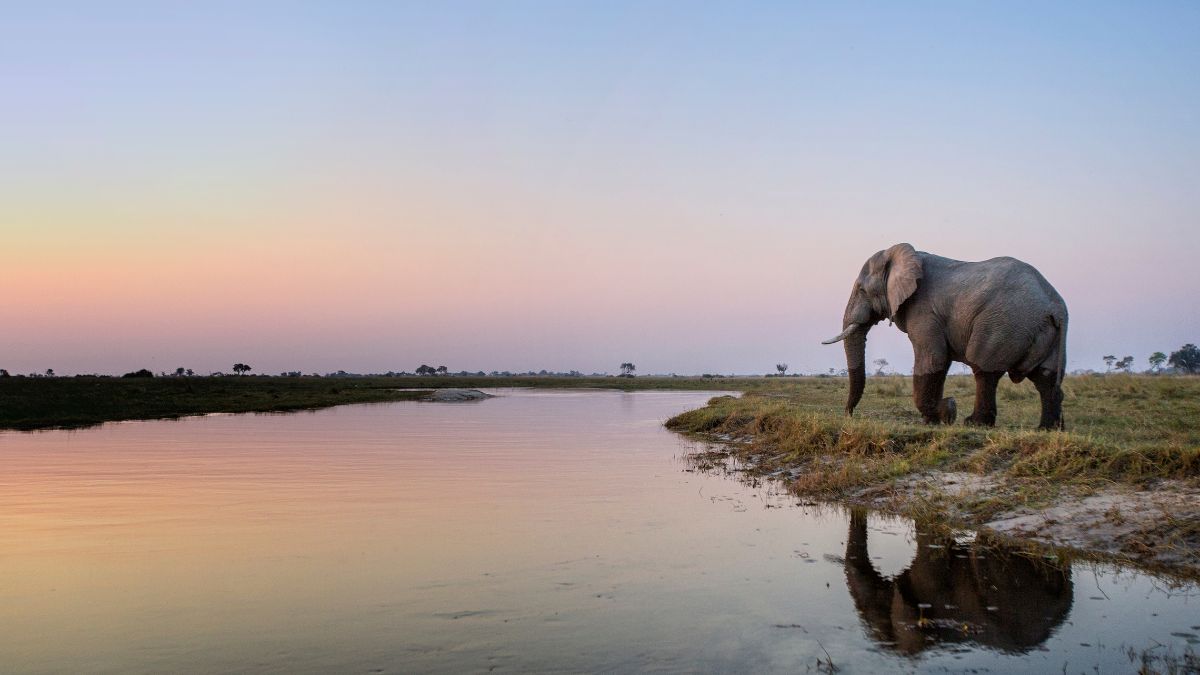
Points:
(1122, 428)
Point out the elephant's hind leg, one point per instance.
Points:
(1050, 390)
(984, 414)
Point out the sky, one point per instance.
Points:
(691, 187)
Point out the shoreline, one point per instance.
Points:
(44, 403)
(1120, 525)
(1079, 494)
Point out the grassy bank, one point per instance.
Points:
(39, 403)
(1132, 435)
(1120, 428)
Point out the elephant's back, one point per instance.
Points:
(999, 314)
(1008, 279)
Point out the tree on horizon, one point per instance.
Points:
(1186, 359)
(241, 368)
(782, 368)
(1157, 359)
(627, 369)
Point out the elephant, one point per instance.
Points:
(997, 316)
(953, 593)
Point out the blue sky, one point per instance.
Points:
(318, 186)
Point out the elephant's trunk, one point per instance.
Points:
(856, 355)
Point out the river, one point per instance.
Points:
(561, 531)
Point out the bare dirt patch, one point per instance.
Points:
(1157, 525)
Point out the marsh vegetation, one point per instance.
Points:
(50, 402)
(40, 403)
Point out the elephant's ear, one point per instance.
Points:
(904, 271)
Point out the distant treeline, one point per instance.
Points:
(1185, 360)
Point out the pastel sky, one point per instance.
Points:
(689, 186)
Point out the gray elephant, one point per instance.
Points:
(997, 316)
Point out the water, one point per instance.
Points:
(538, 531)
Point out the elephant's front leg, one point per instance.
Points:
(927, 394)
(930, 366)
(984, 414)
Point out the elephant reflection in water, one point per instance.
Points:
(956, 593)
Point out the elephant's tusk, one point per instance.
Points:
(843, 335)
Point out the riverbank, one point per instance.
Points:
(1123, 483)
(30, 403)
(73, 402)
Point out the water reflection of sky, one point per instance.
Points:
(536, 531)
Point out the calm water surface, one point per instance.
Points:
(537, 531)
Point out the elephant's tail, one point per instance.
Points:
(1062, 347)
